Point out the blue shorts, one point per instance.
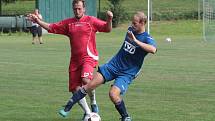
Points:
(122, 80)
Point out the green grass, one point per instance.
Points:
(176, 84)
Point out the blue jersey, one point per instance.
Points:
(130, 57)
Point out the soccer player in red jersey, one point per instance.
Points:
(81, 31)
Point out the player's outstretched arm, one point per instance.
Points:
(146, 47)
(109, 20)
(37, 20)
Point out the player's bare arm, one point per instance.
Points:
(36, 19)
(109, 20)
(146, 47)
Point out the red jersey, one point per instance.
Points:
(81, 33)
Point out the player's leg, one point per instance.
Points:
(87, 76)
(94, 106)
(39, 31)
(34, 40)
(92, 95)
(83, 104)
(74, 85)
(119, 88)
(34, 33)
(81, 93)
(76, 82)
(104, 74)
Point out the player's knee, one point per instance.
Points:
(114, 96)
(111, 95)
(85, 80)
(34, 35)
(90, 86)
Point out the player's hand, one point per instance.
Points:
(109, 15)
(131, 36)
(32, 17)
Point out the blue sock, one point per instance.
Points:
(81, 93)
(121, 109)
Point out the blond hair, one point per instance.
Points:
(141, 16)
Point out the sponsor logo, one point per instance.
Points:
(87, 74)
(128, 47)
(78, 24)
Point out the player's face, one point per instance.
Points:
(36, 11)
(136, 24)
(78, 10)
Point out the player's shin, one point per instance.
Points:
(81, 93)
(94, 106)
(83, 104)
(92, 95)
(120, 106)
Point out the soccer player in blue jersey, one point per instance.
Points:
(122, 68)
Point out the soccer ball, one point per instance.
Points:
(168, 39)
(92, 117)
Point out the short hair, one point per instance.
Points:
(76, 1)
(141, 16)
(37, 10)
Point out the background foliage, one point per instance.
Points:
(8, 1)
(161, 10)
(118, 10)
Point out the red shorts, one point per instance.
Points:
(76, 75)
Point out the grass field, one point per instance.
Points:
(176, 84)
